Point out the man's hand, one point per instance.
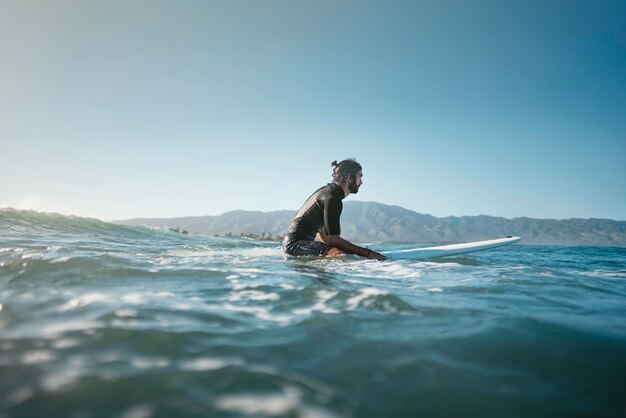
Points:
(374, 255)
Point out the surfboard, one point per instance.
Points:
(453, 249)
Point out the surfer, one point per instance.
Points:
(320, 216)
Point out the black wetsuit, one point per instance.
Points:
(321, 210)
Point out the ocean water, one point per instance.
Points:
(102, 320)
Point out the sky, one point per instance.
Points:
(156, 108)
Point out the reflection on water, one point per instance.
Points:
(103, 320)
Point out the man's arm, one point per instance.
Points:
(345, 245)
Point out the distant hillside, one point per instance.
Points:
(236, 222)
(375, 222)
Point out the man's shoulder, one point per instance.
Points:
(329, 191)
(333, 192)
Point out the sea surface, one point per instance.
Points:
(104, 320)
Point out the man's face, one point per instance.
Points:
(355, 182)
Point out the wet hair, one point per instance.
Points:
(345, 169)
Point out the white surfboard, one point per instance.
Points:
(448, 250)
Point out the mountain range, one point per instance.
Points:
(376, 222)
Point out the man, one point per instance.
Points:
(320, 215)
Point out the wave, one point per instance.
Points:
(28, 226)
(22, 221)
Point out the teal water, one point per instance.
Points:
(102, 320)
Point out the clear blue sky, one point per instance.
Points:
(119, 109)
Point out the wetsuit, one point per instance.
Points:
(321, 210)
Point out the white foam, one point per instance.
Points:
(322, 296)
(55, 329)
(249, 271)
(149, 363)
(164, 294)
(288, 402)
(289, 286)
(364, 294)
(375, 269)
(37, 357)
(243, 286)
(203, 364)
(268, 405)
(164, 261)
(65, 343)
(253, 295)
(84, 300)
(605, 273)
(134, 299)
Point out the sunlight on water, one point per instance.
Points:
(161, 324)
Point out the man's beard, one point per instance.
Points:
(354, 189)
